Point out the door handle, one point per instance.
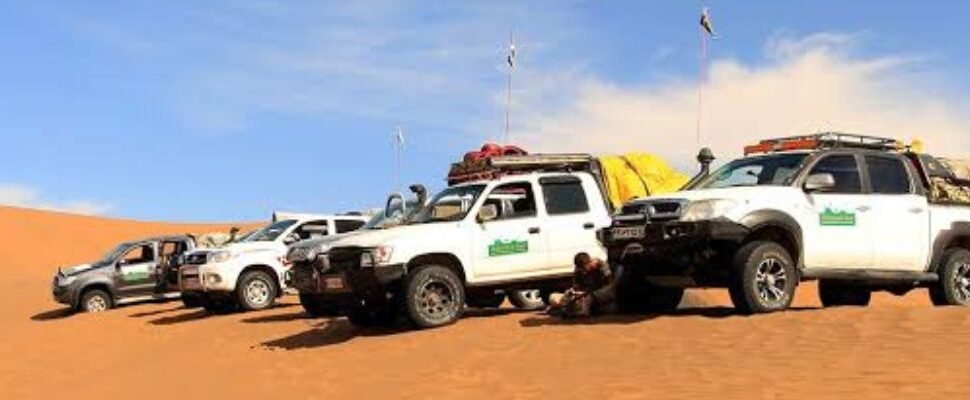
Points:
(588, 225)
(863, 208)
(917, 210)
(534, 230)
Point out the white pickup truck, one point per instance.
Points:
(512, 232)
(858, 213)
(249, 273)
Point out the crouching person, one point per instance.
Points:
(593, 291)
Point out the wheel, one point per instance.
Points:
(433, 296)
(318, 306)
(953, 288)
(256, 291)
(635, 295)
(95, 300)
(527, 299)
(218, 304)
(763, 278)
(492, 299)
(191, 300)
(835, 294)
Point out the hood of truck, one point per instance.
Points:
(247, 247)
(378, 237)
(77, 269)
(325, 241)
(740, 193)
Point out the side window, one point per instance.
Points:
(169, 248)
(139, 254)
(844, 169)
(564, 196)
(347, 225)
(513, 200)
(887, 175)
(313, 229)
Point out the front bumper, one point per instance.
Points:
(64, 294)
(343, 281)
(693, 253)
(204, 278)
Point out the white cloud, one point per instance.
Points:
(23, 196)
(803, 86)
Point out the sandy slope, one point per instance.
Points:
(899, 348)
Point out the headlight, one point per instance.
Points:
(703, 210)
(212, 279)
(376, 257)
(220, 256)
(66, 280)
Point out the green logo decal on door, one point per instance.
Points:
(507, 247)
(135, 276)
(832, 217)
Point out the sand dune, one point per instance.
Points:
(899, 347)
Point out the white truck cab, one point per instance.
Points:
(855, 212)
(249, 273)
(511, 232)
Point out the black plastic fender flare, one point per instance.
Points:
(773, 218)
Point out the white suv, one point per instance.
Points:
(249, 273)
(515, 232)
(855, 212)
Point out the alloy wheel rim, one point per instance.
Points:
(257, 292)
(97, 304)
(531, 295)
(436, 300)
(771, 280)
(962, 282)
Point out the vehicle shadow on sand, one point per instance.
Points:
(328, 332)
(625, 319)
(53, 315)
(197, 314)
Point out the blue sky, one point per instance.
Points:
(227, 110)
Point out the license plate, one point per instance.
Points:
(627, 232)
(335, 283)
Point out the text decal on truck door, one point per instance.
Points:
(507, 247)
(832, 217)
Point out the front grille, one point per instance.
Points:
(653, 211)
(344, 259)
(196, 259)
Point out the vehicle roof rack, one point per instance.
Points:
(496, 167)
(824, 140)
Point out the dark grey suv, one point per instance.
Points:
(133, 271)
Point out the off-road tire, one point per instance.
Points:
(95, 300)
(486, 299)
(527, 299)
(433, 296)
(836, 294)
(953, 288)
(763, 278)
(191, 300)
(317, 306)
(255, 291)
(637, 296)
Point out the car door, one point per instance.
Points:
(838, 231)
(900, 215)
(514, 243)
(136, 270)
(571, 222)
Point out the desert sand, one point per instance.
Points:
(900, 347)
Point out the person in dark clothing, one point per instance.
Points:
(593, 290)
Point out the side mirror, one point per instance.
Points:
(291, 238)
(487, 213)
(819, 182)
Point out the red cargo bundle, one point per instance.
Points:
(475, 164)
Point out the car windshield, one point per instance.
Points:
(451, 204)
(769, 170)
(114, 254)
(380, 221)
(269, 232)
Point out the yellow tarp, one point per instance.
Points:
(633, 175)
